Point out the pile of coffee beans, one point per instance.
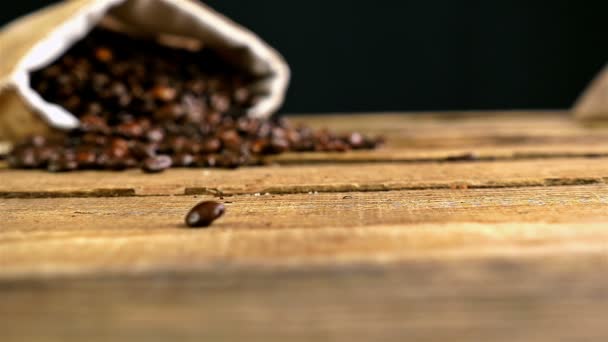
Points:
(143, 104)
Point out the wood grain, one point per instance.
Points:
(96, 235)
(558, 298)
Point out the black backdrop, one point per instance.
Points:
(349, 55)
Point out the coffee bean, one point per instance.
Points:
(130, 130)
(230, 160)
(356, 140)
(279, 145)
(220, 102)
(24, 158)
(259, 146)
(62, 163)
(119, 148)
(242, 95)
(211, 145)
(155, 135)
(204, 213)
(103, 54)
(94, 139)
(142, 150)
(86, 158)
(37, 141)
(230, 139)
(94, 124)
(157, 164)
(183, 160)
(164, 93)
(169, 112)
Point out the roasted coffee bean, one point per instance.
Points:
(44, 154)
(242, 95)
(258, 146)
(156, 164)
(208, 160)
(211, 145)
(94, 139)
(62, 163)
(86, 158)
(118, 164)
(37, 141)
(130, 130)
(142, 151)
(170, 112)
(94, 124)
(183, 160)
(220, 102)
(230, 140)
(230, 160)
(356, 140)
(24, 158)
(278, 145)
(204, 213)
(131, 162)
(164, 93)
(103, 54)
(155, 135)
(338, 146)
(119, 148)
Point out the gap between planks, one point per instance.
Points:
(304, 179)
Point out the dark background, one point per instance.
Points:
(349, 55)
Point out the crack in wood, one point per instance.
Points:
(64, 194)
(310, 188)
(469, 157)
(332, 188)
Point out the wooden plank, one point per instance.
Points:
(559, 298)
(97, 235)
(304, 179)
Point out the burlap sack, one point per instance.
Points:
(36, 40)
(593, 103)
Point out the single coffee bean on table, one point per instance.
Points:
(143, 104)
(204, 213)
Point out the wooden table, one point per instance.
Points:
(466, 227)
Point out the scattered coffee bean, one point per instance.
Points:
(204, 213)
(103, 54)
(183, 160)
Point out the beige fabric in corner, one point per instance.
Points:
(38, 39)
(593, 103)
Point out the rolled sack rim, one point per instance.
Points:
(64, 36)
